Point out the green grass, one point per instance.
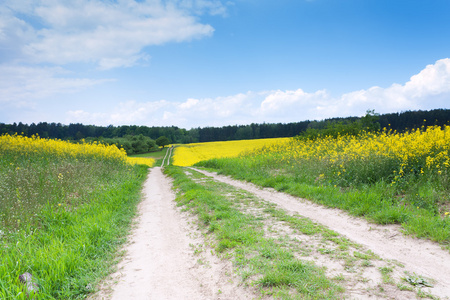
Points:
(379, 202)
(62, 220)
(272, 250)
(263, 262)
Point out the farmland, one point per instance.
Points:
(386, 177)
(66, 209)
(188, 155)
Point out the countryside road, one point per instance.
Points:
(162, 258)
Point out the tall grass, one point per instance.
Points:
(387, 177)
(64, 210)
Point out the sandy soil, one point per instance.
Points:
(164, 258)
(167, 256)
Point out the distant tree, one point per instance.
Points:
(79, 135)
(244, 133)
(370, 121)
(162, 141)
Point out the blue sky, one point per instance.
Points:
(192, 63)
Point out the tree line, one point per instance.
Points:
(401, 122)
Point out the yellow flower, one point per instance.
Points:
(141, 161)
(188, 155)
(26, 146)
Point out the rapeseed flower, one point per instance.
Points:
(29, 146)
(188, 155)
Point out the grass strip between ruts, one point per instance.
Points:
(262, 261)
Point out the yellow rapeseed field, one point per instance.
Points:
(141, 161)
(188, 155)
(35, 145)
(25, 146)
(418, 151)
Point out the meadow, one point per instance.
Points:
(386, 177)
(65, 209)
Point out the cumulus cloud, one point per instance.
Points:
(291, 103)
(423, 91)
(431, 85)
(428, 89)
(434, 79)
(218, 111)
(108, 33)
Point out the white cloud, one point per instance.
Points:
(22, 86)
(189, 103)
(39, 38)
(433, 80)
(14, 34)
(129, 112)
(431, 84)
(109, 34)
(422, 91)
(292, 103)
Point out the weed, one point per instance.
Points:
(417, 281)
(65, 209)
(386, 274)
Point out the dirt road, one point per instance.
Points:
(166, 257)
(163, 260)
(418, 256)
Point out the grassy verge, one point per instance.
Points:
(64, 213)
(263, 261)
(379, 202)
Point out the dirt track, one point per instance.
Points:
(162, 260)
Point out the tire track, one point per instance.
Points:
(422, 257)
(162, 259)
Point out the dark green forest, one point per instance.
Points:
(401, 122)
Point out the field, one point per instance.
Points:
(386, 177)
(155, 158)
(64, 210)
(188, 155)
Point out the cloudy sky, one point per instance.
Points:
(192, 63)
